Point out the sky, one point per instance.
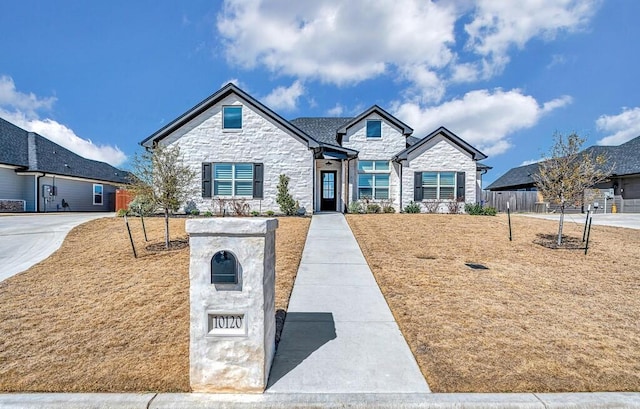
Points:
(97, 77)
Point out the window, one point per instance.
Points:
(233, 179)
(97, 194)
(373, 179)
(232, 117)
(374, 129)
(438, 185)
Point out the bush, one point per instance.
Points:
(388, 209)
(476, 209)
(355, 207)
(270, 213)
(194, 212)
(284, 199)
(122, 213)
(373, 208)
(207, 214)
(412, 208)
(142, 205)
(255, 213)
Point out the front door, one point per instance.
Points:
(328, 190)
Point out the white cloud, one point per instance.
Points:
(336, 110)
(22, 110)
(285, 98)
(412, 41)
(336, 41)
(497, 26)
(621, 128)
(27, 103)
(529, 162)
(483, 118)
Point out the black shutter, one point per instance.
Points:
(460, 184)
(417, 187)
(258, 177)
(206, 179)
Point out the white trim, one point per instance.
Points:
(232, 180)
(79, 179)
(93, 194)
(2, 165)
(373, 172)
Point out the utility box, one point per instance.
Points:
(232, 303)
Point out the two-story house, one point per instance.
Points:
(240, 147)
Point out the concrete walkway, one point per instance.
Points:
(28, 239)
(339, 335)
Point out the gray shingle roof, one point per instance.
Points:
(475, 154)
(321, 129)
(35, 153)
(625, 159)
(13, 144)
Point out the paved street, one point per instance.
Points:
(628, 220)
(28, 239)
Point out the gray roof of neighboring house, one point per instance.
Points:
(35, 153)
(624, 159)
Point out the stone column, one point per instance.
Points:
(232, 334)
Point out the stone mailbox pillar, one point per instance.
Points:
(232, 301)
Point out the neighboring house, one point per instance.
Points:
(623, 183)
(37, 175)
(240, 147)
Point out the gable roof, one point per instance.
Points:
(215, 98)
(456, 140)
(625, 159)
(516, 178)
(406, 129)
(35, 153)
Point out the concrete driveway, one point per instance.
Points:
(28, 239)
(628, 220)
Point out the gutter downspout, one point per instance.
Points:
(37, 188)
(400, 163)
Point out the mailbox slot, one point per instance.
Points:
(224, 268)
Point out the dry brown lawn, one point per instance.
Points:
(537, 320)
(93, 318)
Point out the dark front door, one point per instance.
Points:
(328, 190)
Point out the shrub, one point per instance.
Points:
(255, 213)
(373, 208)
(122, 213)
(270, 213)
(412, 208)
(284, 199)
(355, 207)
(240, 207)
(432, 206)
(194, 212)
(476, 209)
(207, 214)
(388, 209)
(142, 205)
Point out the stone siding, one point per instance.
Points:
(391, 142)
(259, 141)
(439, 155)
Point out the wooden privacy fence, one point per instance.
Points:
(518, 201)
(123, 198)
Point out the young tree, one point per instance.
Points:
(566, 173)
(284, 199)
(161, 177)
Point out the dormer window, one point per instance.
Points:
(232, 117)
(374, 129)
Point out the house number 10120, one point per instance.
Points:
(227, 321)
